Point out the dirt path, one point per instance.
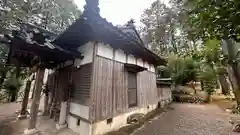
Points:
(190, 119)
(8, 113)
(185, 119)
(8, 109)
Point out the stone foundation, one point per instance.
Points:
(118, 121)
(101, 127)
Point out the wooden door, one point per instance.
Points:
(132, 89)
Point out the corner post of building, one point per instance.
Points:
(64, 103)
(63, 110)
(35, 103)
(46, 99)
(63, 116)
(23, 111)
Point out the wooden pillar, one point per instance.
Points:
(46, 94)
(23, 112)
(45, 109)
(35, 103)
(34, 86)
(63, 116)
(54, 96)
(50, 100)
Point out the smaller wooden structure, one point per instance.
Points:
(164, 90)
(115, 78)
(31, 46)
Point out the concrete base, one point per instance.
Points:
(31, 132)
(119, 121)
(22, 117)
(102, 127)
(60, 126)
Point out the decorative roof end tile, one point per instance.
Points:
(91, 7)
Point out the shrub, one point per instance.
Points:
(208, 77)
(164, 71)
(12, 86)
(182, 69)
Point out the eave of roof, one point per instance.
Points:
(46, 51)
(96, 28)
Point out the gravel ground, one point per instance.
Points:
(8, 114)
(189, 119)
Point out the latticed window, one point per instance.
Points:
(132, 89)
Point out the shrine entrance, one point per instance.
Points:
(30, 47)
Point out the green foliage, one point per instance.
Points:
(54, 15)
(11, 86)
(217, 19)
(211, 51)
(183, 70)
(192, 30)
(12, 83)
(208, 77)
(3, 74)
(3, 69)
(161, 27)
(164, 71)
(214, 18)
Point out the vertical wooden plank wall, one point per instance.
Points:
(102, 81)
(108, 100)
(120, 88)
(82, 80)
(164, 92)
(147, 88)
(57, 84)
(63, 81)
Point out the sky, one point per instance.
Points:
(120, 11)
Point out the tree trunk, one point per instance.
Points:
(194, 45)
(50, 100)
(233, 68)
(175, 50)
(237, 95)
(230, 83)
(202, 85)
(54, 96)
(1, 81)
(36, 99)
(46, 98)
(18, 70)
(13, 96)
(23, 111)
(233, 81)
(34, 86)
(224, 84)
(193, 86)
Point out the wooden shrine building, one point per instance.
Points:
(100, 73)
